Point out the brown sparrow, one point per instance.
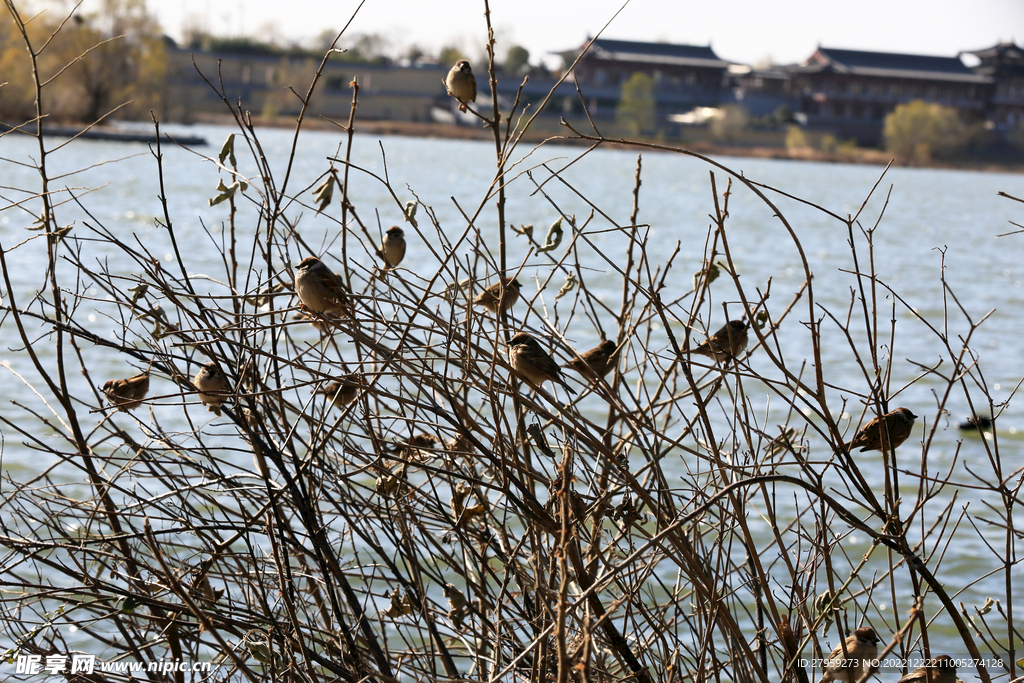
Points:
(597, 362)
(212, 385)
(942, 669)
(393, 246)
(342, 392)
(892, 428)
(861, 653)
(320, 290)
(490, 297)
(127, 394)
(529, 359)
(725, 344)
(461, 84)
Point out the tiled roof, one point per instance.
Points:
(890, 64)
(653, 53)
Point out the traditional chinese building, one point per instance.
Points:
(685, 76)
(1004, 65)
(850, 92)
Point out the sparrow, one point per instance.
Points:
(128, 393)
(597, 362)
(320, 290)
(490, 297)
(532, 362)
(342, 392)
(888, 431)
(212, 385)
(942, 669)
(861, 653)
(392, 249)
(461, 84)
(725, 344)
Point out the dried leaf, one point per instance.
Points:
(553, 238)
(324, 193)
(410, 213)
(257, 642)
(227, 151)
(708, 274)
(524, 230)
(784, 442)
(401, 604)
(457, 604)
(138, 291)
(568, 286)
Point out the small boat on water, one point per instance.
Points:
(110, 134)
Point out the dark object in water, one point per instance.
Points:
(981, 423)
(111, 134)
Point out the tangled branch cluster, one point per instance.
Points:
(368, 489)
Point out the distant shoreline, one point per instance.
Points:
(561, 137)
(443, 130)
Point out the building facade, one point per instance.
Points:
(685, 76)
(262, 85)
(850, 92)
(1004, 65)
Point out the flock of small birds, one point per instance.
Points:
(322, 295)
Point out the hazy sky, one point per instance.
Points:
(742, 30)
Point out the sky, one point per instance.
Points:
(744, 31)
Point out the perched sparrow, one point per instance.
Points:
(393, 246)
(461, 83)
(490, 297)
(319, 289)
(892, 428)
(529, 359)
(725, 344)
(127, 394)
(942, 669)
(597, 362)
(861, 653)
(342, 392)
(212, 385)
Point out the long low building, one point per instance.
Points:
(261, 84)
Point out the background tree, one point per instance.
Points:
(636, 108)
(117, 57)
(729, 123)
(918, 131)
(449, 54)
(517, 57)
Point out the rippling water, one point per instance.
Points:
(932, 219)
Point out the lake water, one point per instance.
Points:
(929, 213)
